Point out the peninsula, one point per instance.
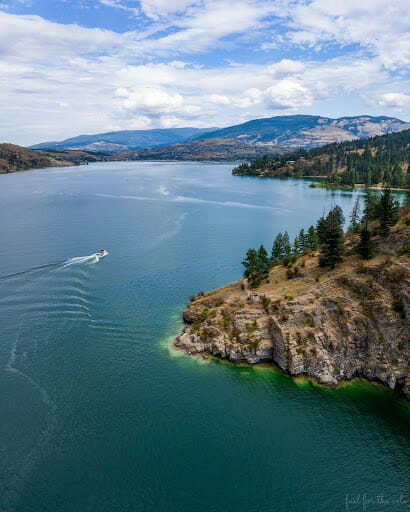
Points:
(329, 324)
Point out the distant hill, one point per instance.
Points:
(16, 158)
(377, 161)
(301, 131)
(209, 149)
(125, 140)
(289, 132)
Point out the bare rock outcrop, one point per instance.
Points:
(330, 325)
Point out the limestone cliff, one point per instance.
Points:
(330, 325)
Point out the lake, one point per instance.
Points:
(97, 413)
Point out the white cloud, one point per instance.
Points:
(376, 25)
(288, 93)
(55, 77)
(160, 8)
(394, 100)
(286, 67)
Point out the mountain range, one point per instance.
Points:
(131, 140)
(301, 131)
(276, 134)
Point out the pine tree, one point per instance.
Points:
(365, 247)
(387, 211)
(264, 261)
(331, 244)
(287, 248)
(278, 248)
(251, 266)
(312, 241)
(370, 207)
(355, 215)
(257, 265)
(296, 246)
(302, 240)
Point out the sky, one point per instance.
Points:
(70, 67)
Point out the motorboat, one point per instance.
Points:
(101, 253)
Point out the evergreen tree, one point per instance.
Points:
(287, 248)
(264, 261)
(387, 211)
(296, 246)
(257, 265)
(302, 240)
(355, 215)
(365, 247)
(312, 241)
(278, 248)
(331, 242)
(251, 264)
(370, 206)
(321, 230)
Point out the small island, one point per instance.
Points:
(331, 306)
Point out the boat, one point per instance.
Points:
(101, 253)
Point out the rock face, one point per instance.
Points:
(330, 325)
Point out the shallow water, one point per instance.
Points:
(98, 414)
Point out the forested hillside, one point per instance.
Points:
(381, 160)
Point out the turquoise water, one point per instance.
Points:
(97, 414)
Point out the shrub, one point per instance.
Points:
(402, 250)
(204, 313)
(266, 303)
(398, 306)
(251, 327)
(290, 258)
(360, 269)
(290, 273)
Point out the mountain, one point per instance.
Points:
(125, 140)
(16, 158)
(209, 149)
(378, 160)
(301, 131)
(289, 132)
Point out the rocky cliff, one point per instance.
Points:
(330, 325)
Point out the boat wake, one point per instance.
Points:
(79, 260)
(41, 269)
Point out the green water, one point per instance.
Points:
(98, 414)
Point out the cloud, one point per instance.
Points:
(394, 100)
(188, 65)
(156, 102)
(288, 93)
(160, 8)
(380, 27)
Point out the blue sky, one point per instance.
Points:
(86, 66)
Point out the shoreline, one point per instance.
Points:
(270, 365)
(331, 326)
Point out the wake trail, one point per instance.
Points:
(90, 260)
(79, 260)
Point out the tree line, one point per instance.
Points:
(382, 159)
(327, 237)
